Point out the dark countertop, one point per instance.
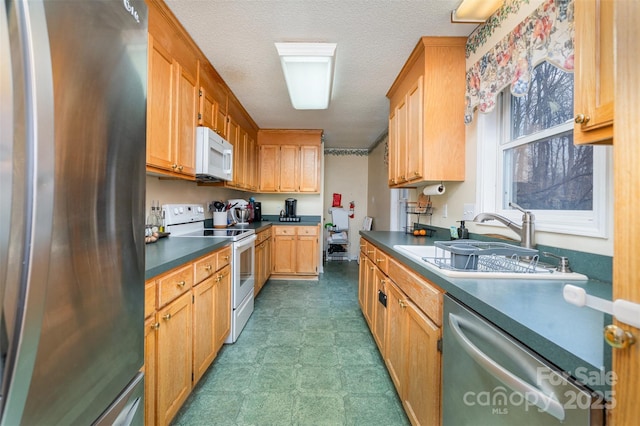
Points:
(168, 253)
(533, 311)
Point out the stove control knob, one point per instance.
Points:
(175, 210)
(181, 209)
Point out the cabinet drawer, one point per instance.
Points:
(263, 236)
(224, 257)
(149, 298)
(381, 260)
(425, 295)
(363, 246)
(174, 284)
(307, 231)
(285, 230)
(204, 267)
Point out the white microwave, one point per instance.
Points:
(214, 156)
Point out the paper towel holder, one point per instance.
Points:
(434, 189)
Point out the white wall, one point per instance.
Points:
(173, 191)
(379, 195)
(347, 175)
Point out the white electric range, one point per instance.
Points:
(187, 221)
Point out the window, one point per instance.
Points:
(527, 156)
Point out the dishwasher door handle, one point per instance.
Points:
(530, 392)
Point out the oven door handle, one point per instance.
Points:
(531, 393)
(244, 242)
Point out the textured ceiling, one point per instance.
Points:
(374, 37)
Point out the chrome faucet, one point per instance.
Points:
(526, 230)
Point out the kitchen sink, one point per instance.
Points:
(444, 262)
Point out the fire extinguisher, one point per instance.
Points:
(352, 205)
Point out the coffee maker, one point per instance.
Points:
(290, 208)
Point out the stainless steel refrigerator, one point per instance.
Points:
(73, 79)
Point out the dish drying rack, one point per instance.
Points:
(485, 257)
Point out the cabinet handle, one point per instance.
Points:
(180, 168)
(181, 283)
(208, 268)
(370, 251)
(582, 119)
(401, 303)
(379, 260)
(155, 326)
(372, 268)
(166, 317)
(416, 173)
(618, 337)
(226, 258)
(174, 165)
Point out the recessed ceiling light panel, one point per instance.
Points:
(308, 71)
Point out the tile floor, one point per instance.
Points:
(306, 357)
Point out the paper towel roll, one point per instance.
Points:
(434, 189)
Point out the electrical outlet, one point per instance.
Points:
(469, 211)
(445, 210)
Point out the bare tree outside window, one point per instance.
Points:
(546, 171)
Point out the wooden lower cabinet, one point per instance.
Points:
(379, 309)
(184, 331)
(295, 251)
(150, 351)
(222, 310)
(174, 357)
(421, 391)
(204, 350)
(262, 259)
(407, 337)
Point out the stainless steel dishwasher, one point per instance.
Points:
(488, 378)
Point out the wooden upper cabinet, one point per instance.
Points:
(289, 160)
(213, 100)
(309, 170)
(594, 72)
(172, 98)
(289, 163)
(426, 128)
(233, 134)
(162, 71)
(415, 112)
(187, 114)
(268, 168)
(393, 146)
(242, 133)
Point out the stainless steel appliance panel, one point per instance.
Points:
(488, 378)
(78, 225)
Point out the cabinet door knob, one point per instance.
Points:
(617, 337)
(208, 268)
(155, 326)
(582, 119)
(401, 303)
(174, 165)
(181, 283)
(167, 317)
(180, 168)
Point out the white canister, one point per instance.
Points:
(219, 219)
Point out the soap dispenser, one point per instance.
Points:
(463, 233)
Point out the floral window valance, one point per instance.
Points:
(545, 35)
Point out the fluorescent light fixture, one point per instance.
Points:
(475, 11)
(308, 71)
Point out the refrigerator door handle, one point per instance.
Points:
(31, 197)
(530, 392)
